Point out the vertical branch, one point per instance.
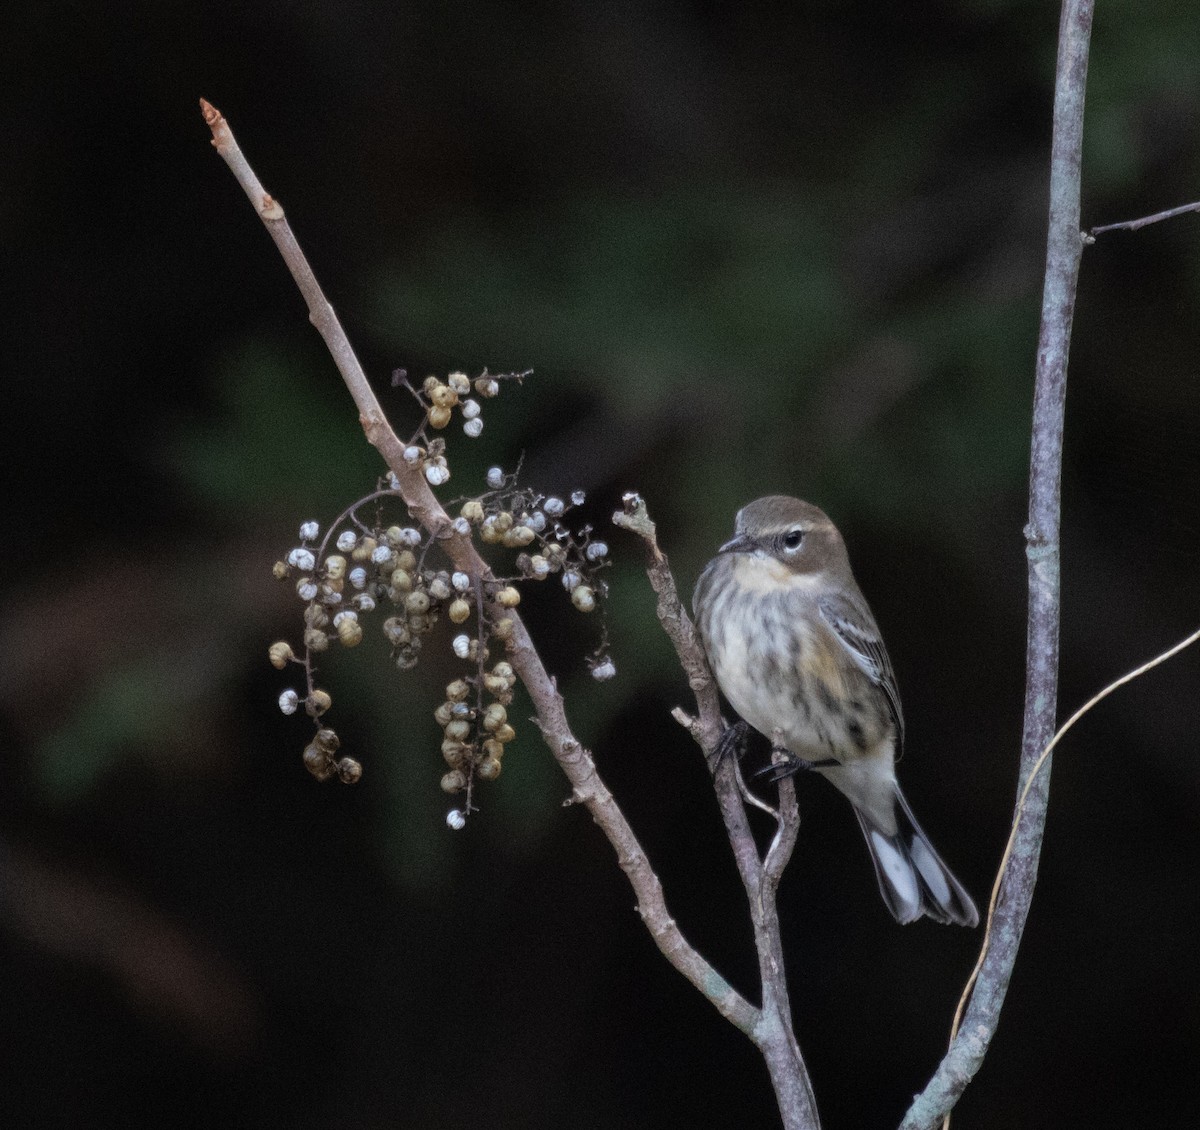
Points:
(1063, 250)
(772, 1034)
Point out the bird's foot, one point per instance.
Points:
(731, 747)
(790, 765)
(731, 743)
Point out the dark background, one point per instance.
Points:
(746, 249)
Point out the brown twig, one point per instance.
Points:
(773, 1035)
(576, 762)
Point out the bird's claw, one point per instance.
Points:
(731, 743)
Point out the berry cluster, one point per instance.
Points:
(475, 730)
(362, 564)
(517, 519)
(439, 399)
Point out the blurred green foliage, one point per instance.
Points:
(282, 436)
(745, 249)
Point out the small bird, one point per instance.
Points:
(797, 653)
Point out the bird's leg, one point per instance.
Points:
(732, 744)
(784, 763)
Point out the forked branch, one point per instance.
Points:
(769, 1026)
(773, 1034)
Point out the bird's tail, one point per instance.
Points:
(912, 877)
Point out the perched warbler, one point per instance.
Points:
(797, 653)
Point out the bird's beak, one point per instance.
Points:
(739, 544)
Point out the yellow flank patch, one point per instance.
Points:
(823, 663)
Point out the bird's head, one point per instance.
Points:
(795, 534)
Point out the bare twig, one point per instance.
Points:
(1128, 677)
(773, 1035)
(1063, 251)
(576, 762)
(1145, 221)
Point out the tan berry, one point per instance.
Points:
(583, 598)
(279, 570)
(503, 629)
(493, 748)
(518, 536)
(459, 383)
(417, 603)
(458, 690)
(444, 713)
(458, 612)
(454, 782)
(327, 740)
(349, 632)
(488, 769)
(505, 734)
(472, 510)
(494, 717)
(315, 639)
(508, 597)
(280, 654)
(317, 762)
(443, 397)
(317, 703)
(349, 771)
(458, 730)
(335, 567)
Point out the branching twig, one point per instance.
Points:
(1063, 251)
(773, 1034)
(576, 762)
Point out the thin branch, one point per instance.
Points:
(1128, 677)
(576, 762)
(779, 854)
(1063, 252)
(1145, 221)
(773, 1034)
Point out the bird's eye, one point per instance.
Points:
(792, 542)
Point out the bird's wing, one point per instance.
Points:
(860, 637)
